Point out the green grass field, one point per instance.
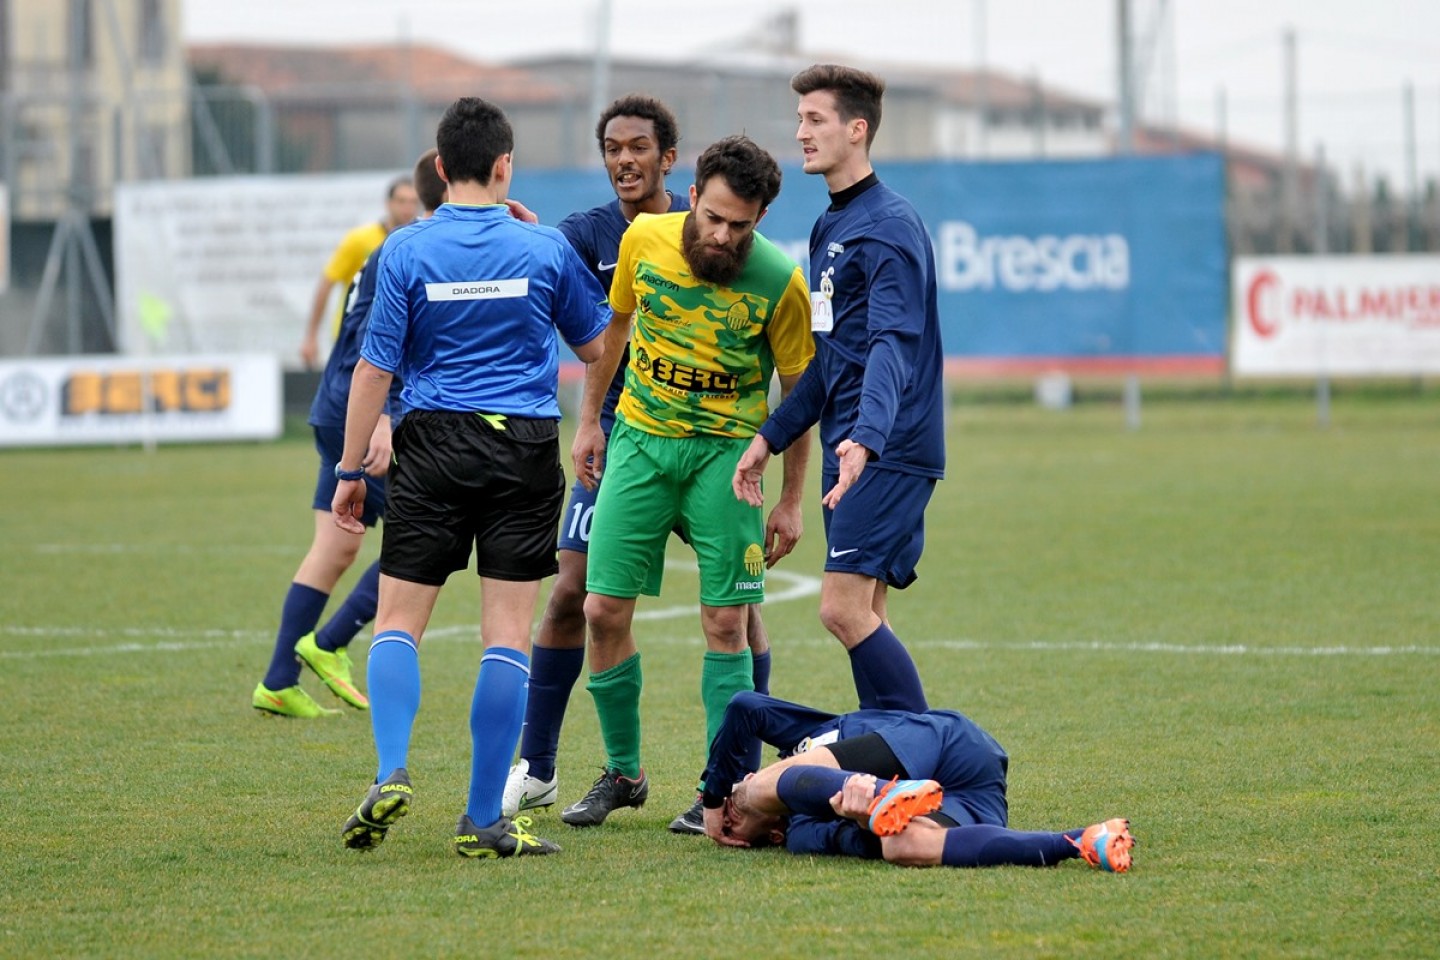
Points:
(1222, 626)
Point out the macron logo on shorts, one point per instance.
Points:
(477, 289)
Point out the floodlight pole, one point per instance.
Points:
(1125, 139)
(600, 77)
(1125, 145)
(1322, 246)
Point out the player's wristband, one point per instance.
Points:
(343, 474)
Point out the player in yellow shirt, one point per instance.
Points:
(717, 309)
(401, 206)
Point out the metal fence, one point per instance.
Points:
(61, 154)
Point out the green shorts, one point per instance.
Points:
(653, 484)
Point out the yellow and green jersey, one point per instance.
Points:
(701, 356)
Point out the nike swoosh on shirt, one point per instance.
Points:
(840, 553)
(607, 266)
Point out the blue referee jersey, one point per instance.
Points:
(877, 377)
(595, 234)
(467, 307)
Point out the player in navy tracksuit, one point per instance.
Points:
(831, 793)
(637, 136)
(332, 552)
(875, 388)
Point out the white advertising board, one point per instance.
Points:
(230, 264)
(1336, 316)
(54, 401)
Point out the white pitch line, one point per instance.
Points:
(797, 586)
(184, 549)
(1224, 650)
(185, 640)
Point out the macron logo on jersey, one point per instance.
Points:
(477, 289)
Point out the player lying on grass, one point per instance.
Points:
(915, 789)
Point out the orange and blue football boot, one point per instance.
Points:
(1106, 846)
(900, 801)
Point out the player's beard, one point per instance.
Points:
(718, 265)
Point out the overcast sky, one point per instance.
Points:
(1354, 58)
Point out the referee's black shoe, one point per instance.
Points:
(385, 802)
(503, 838)
(609, 792)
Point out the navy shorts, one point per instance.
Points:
(575, 522)
(879, 527)
(459, 482)
(330, 444)
(954, 750)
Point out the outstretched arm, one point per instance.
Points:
(750, 716)
(785, 525)
(587, 451)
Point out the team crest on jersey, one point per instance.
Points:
(754, 560)
(738, 317)
(642, 359)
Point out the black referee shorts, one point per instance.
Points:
(460, 479)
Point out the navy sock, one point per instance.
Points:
(806, 789)
(393, 676)
(553, 672)
(885, 676)
(761, 672)
(357, 610)
(982, 845)
(302, 609)
(495, 717)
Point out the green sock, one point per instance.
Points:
(723, 676)
(617, 701)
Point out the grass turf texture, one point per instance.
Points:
(1222, 626)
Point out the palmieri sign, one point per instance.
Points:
(1336, 316)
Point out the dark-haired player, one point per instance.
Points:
(638, 137)
(717, 309)
(468, 305)
(875, 387)
(917, 789)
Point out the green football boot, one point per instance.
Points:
(333, 668)
(290, 702)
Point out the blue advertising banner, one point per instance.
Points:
(1111, 259)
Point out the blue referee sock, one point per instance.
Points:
(496, 714)
(885, 676)
(806, 789)
(302, 609)
(553, 672)
(357, 610)
(982, 845)
(393, 676)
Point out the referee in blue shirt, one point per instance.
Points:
(467, 308)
